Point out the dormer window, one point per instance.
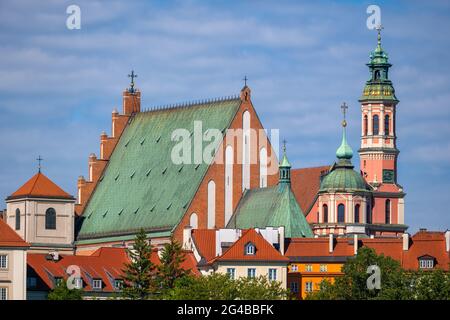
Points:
(426, 262)
(97, 284)
(118, 284)
(250, 249)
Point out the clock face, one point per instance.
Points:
(388, 176)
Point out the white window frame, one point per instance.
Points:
(272, 274)
(323, 268)
(294, 268)
(3, 261)
(308, 268)
(118, 284)
(308, 286)
(251, 272)
(96, 281)
(3, 293)
(78, 282)
(426, 263)
(231, 273)
(250, 249)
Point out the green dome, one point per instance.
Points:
(344, 151)
(343, 178)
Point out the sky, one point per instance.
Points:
(303, 59)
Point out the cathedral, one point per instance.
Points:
(211, 165)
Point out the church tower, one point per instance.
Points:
(378, 152)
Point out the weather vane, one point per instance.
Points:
(132, 76)
(344, 108)
(39, 159)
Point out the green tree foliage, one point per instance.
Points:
(396, 283)
(219, 286)
(61, 292)
(172, 256)
(140, 272)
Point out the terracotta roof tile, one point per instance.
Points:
(9, 238)
(40, 186)
(205, 242)
(305, 183)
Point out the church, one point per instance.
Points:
(228, 177)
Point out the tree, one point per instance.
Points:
(139, 273)
(218, 286)
(353, 284)
(61, 292)
(430, 285)
(172, 256)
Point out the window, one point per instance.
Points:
(325, 213)
(294, 268)
(31, 282)
(3, 261)
(386, 125)
(308, 268)
(376, 125)
(231, 273)
(50, 219)
(368, 215)
(3, 293)
(323, 268)
(251, 272)
(250, 249)
(78, 283)
(309, 286)
(377, 74)
(272, 274)
(211, 204)
(118, 284)
(387, 211)
(294, 287)
(17, 219)
(341, 213)
(357, 213)
(366, 123)
(97, 284)
(193, 221)
(58, 281)
(426, 263)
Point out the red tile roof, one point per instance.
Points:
(318, 247)
(264, 250)
(9, 238)
(205, 242)
(305, 183)
(190, 263)
(39, 186)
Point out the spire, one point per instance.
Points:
(344, 151)
(285, 167)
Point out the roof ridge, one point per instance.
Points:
(35, 181)
(186, 104)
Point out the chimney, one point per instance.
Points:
(447, 240)
(355, 244)
(131, 102)
(187, 238)
(281, 239)
(330, 243)
(405, 237)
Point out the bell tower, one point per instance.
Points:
(378, 153)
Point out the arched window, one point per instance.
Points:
(357, 213)
(50, 219)
(376, 125)
(250, 249)
(193, 221)
(368, 215)
(341, 213)
(366, 125)
(377, 74)
(388, 211)
(386, 125)
(17, 219)
(229, 160)
(325, 213)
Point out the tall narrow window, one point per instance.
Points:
(325, 213)
(368, 214)
(388, 211)
(341, 213)
(17, 219)
(193, 221)
(211, 205)
(229, 160)
(386, 125)
(366, 125)
(263, 168)
(357, 213)
(246, 151)
(50, 219)
(376, 125)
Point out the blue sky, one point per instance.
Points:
(59, 86)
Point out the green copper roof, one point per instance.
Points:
(285, 162)
(342, 177)
(141, 186)
(271, 207)
(344, 151)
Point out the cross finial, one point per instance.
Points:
(132, 76)
(379, 27)
(284, 146)
(39, 159)
(344, 108)
(245, 81)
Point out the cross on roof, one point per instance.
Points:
(132, 76)
(344, 108)
(39, 159)
(284, 145)
(379, 27)
(245, 80)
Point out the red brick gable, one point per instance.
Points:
(39, 186)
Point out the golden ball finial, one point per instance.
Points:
(344, 123)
